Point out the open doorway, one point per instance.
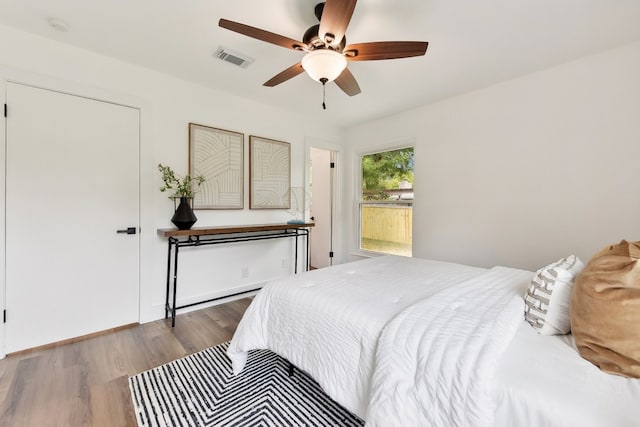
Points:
(322, 167)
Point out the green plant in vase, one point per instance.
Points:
(183, 188)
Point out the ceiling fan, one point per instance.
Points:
(326, 50)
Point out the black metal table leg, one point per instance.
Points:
(307, 232)
(175, 285)
(295, 269)
(166, 300)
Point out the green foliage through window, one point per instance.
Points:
(385, 171)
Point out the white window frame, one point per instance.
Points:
(358, 193)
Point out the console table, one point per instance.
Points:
(204, 236)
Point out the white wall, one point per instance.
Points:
(168, 105)
(518, 174)
(526, 171)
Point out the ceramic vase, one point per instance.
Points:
(184, 217)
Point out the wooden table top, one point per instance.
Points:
(229, 229)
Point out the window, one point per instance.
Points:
(386, 202)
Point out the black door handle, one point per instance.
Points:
(312, 218)
(128, 230)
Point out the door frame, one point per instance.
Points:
(145, 161)
(336, 211)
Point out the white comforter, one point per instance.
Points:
(407, 342)
(328, 321)
(436, 360)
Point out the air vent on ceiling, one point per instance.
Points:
(233, 57)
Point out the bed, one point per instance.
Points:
(406, 341)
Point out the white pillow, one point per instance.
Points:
(546, 302)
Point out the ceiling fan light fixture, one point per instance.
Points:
(324, 64)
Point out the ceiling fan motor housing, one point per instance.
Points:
(318, 10)
(313, 41)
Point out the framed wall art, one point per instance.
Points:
(269, 173)
(217, 155)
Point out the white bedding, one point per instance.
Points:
(327, 321)
(542, 381)
(397, 341)
(436, 360)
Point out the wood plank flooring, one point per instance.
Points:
(85, 383)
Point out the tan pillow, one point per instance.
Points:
(605, 310)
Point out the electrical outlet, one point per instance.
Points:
(244, 272)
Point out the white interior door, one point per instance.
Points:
(321, 198)
(72, 180)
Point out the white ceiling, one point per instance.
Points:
(472, 43)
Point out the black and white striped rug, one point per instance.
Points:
(201, 390)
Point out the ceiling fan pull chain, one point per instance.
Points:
(324, 92)
(324, 95)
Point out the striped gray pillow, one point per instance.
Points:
(547, 298)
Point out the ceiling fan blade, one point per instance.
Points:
(265, 36)
(336, 16)
(384, 50)
(287, 74)
(348, 83)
